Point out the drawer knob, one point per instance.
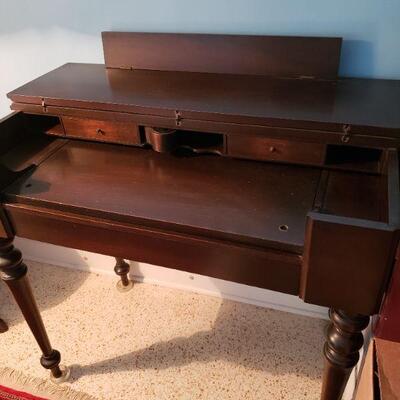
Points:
(272, 149)
(100, 132)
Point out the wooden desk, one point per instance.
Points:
(263, 169)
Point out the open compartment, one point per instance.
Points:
(352, 237)
(202, 142)
(353, 158)
(171, 140)
(48, 124)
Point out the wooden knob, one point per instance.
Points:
(100, 132)
(272, 149)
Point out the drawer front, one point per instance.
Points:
(103, 131)
(261, 148)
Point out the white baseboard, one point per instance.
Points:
(87, 261)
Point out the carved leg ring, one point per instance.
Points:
(344, 340)
(13, 273)
(122, 270)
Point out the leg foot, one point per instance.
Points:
(122, 270)
(344, 340)
(122, 288)
(14, 274)
(64, 377)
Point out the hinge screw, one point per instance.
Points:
(346, 130)
(44, 105)
(178, 118)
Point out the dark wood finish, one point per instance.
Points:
(388, 367)
(311, 132)
(351, 240)
(5, 227)
(388, 324)
(392, 193)
(347, 256)
(369, 106)
(11, 131)
(223, 199)
(164, 140)
(367, 202)
(326, 230)
(267, 149)
(13, 273)
(122, 270)
(102, 131)
(344, 340)
(255, 266)
(3, 326)
(284, 56)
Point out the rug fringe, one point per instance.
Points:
(39, 387)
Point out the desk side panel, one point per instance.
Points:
(347, 262)
(11, 129)
(388, 324)
(253, 266)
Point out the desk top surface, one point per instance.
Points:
(207, 195)
(220, 97)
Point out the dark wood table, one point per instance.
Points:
(3, 326)
(237, 157)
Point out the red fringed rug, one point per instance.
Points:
(10, 394)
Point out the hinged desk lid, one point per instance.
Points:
(251, 99)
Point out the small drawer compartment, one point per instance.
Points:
(353, 158)
(263, 148)
(102, 131)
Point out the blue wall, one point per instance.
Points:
(370, 28)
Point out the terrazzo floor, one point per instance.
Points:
(161, 343)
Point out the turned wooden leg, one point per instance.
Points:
(14, 274)
(3, 326)
(122, 270)
(344, 340)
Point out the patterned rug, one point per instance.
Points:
(10, 394)
(26, 387)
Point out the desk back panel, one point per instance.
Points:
(282, 56)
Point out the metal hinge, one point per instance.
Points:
(44, 106)
(178, 118)
(346, 130)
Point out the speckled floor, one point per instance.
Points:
(161, 343)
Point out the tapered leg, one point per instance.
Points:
(122, 270)
(344, 340)
(14, 274)
(3, 326)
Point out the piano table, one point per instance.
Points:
(241, 158)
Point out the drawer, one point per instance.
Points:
(103, 131)
(261, 148)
